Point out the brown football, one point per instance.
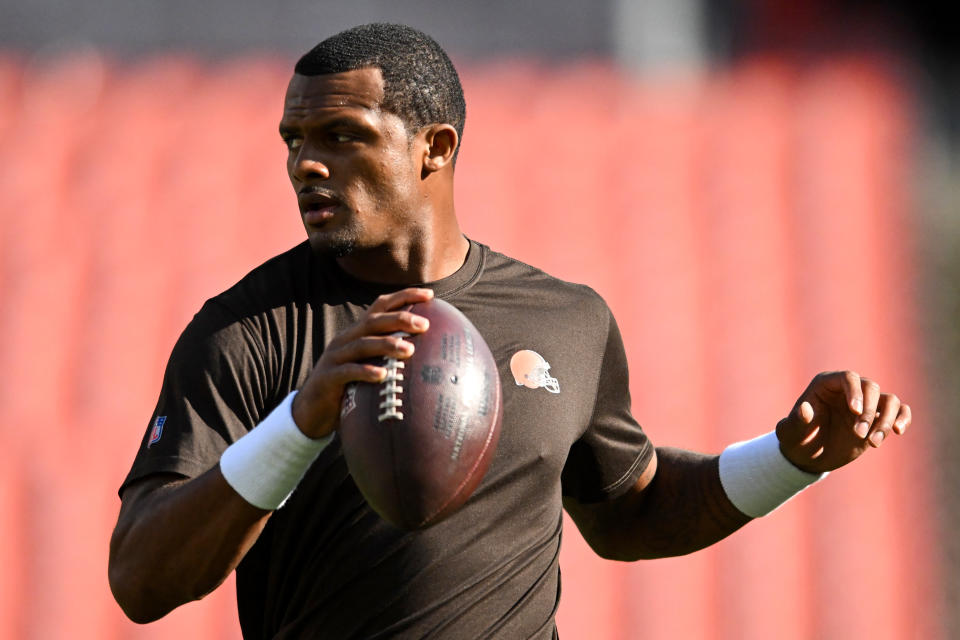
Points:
(418, 444)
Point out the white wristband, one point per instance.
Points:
(758, 478)
(267, 464)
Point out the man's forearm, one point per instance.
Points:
(175, 541)
(683, 509)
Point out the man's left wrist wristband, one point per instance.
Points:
(758, 478)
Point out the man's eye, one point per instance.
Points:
(293, 142)
(341, 137)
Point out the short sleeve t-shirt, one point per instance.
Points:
(326, 566)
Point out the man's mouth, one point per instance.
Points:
(317, 207)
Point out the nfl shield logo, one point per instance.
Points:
(157, 430)
(349, 402)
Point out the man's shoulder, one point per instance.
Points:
(254, 309)
(502, 270)
(274, 283)
(285, 267)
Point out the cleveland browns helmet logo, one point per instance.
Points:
(532, 371)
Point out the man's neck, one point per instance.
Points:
(414, 263)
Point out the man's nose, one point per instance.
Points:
(308, 167)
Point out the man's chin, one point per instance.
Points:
(331, 245)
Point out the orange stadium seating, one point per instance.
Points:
(748, 228)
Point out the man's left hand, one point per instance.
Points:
(838, 417)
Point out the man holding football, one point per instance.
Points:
(240, 468)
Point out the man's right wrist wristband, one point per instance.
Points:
(267, 464)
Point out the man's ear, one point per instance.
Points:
(441, 143)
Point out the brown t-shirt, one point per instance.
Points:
(326, 566)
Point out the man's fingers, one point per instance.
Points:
(397, 299)
(853, 390)
(871, 396)
(904, 418)
(888, 408)
(358, 372)
(393, 321)
(367, 347)
(382, 323)
(845, 382)
(383, 316)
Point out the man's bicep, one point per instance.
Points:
(136, 499)
(602, 523)
(134, 495)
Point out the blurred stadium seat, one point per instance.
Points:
(736, 224)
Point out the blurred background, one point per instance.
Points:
(762, 189)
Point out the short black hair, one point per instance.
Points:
(421, 85)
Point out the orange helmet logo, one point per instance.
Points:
(531, 370)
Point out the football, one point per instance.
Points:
(418, 443)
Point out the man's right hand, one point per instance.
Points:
(316, 408)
